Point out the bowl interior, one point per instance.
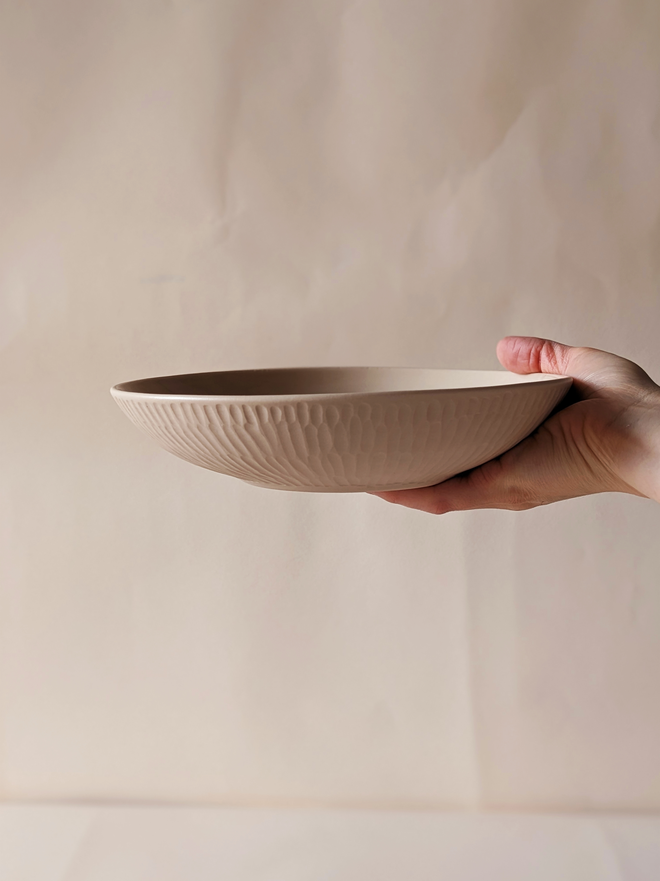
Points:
(307, 381)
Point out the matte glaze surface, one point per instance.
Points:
(340, 429)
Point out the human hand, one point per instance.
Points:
(604, 438)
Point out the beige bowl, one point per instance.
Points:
(340, 429)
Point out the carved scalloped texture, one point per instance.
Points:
(381, 442)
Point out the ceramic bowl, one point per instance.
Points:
(340, 429)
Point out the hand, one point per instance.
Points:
(605, 437)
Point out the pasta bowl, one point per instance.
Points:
(340, 429)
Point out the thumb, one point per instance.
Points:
(527, 354)
(594, 372)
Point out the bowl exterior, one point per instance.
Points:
(344, 443)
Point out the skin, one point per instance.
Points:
(604, 437)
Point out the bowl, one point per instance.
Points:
(340, 429)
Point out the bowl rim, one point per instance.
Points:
(122, 390)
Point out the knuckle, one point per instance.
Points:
(519, 499)
(440, 507)
(548, 360)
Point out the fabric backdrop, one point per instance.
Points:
(194, 185)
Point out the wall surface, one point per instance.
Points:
(195, 185)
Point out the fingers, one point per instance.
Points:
(545, 467)
(490, 486)
(452, 495)
(458, 494)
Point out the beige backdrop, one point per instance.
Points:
(196, 185)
